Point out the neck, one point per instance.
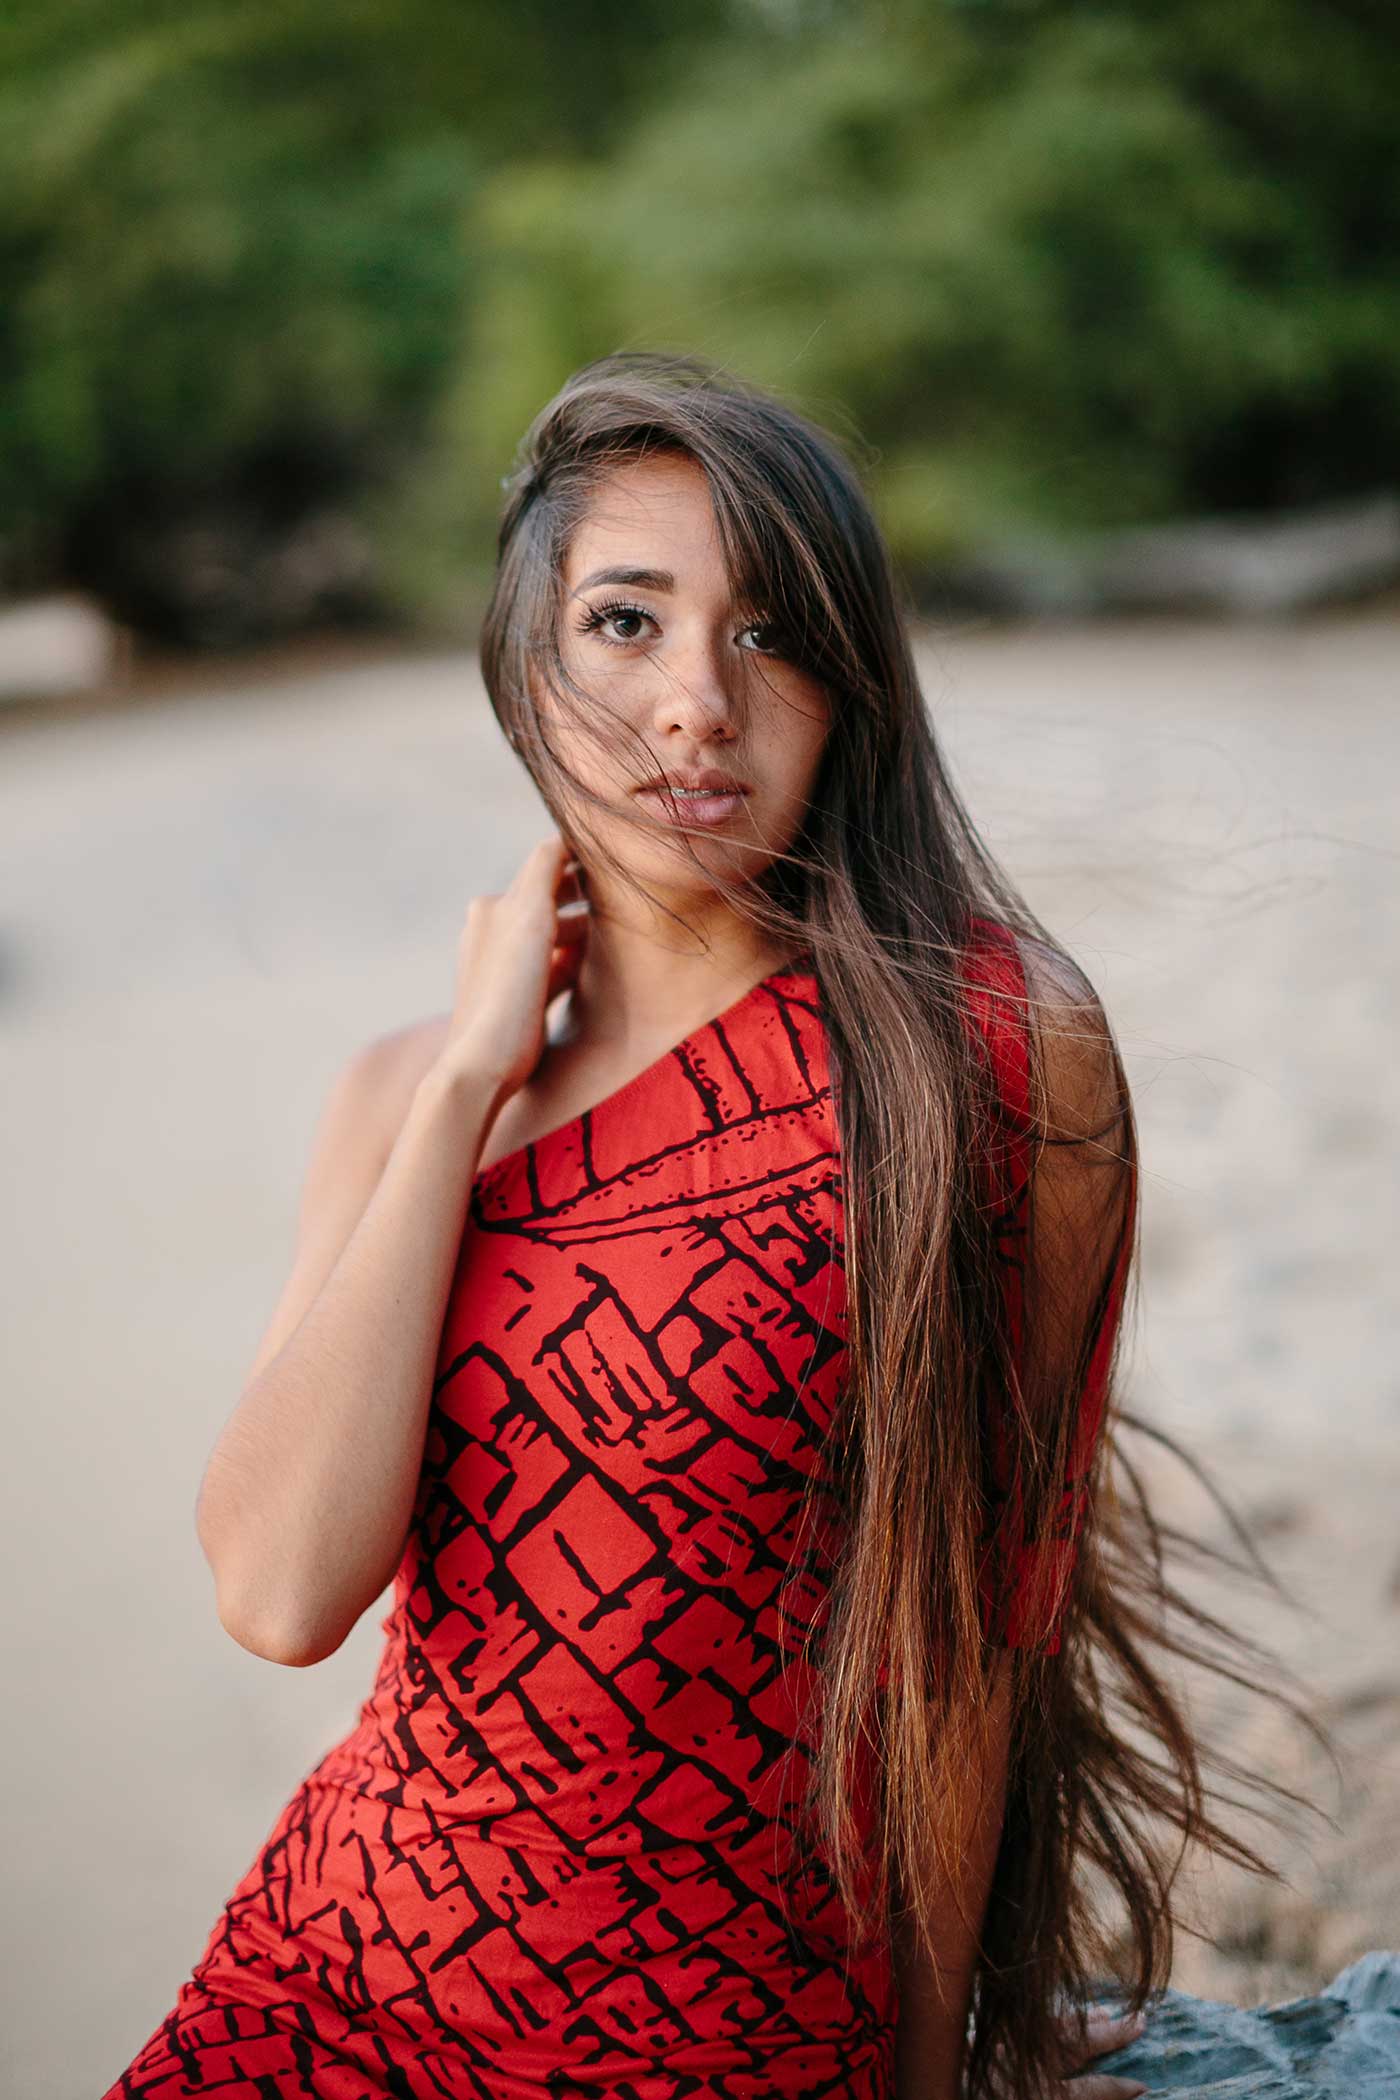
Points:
(639, 986)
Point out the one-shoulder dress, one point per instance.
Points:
(559, 1851)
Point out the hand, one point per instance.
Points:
(1101, 2031)
(517, 952)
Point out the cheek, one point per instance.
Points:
(595, 735)
(803, 731)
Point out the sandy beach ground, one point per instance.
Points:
(212, 895)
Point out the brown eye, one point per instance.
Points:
(622, 619)
(770, 642)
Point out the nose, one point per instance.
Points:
(699, 692)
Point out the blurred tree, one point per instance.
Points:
(1065, 264)
(236, 254)
(281, 288)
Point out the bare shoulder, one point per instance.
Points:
(375, 1086)
(1082, 1088)
(365, 1108)
(364, 1112)
(1083, 1180)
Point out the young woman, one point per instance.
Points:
(708, 1326)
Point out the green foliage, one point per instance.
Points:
(236, 246)
(217, 294)
(1051, 263)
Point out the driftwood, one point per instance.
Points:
(1242, 565)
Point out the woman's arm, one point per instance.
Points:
(309, 1491)
(1065, 1279)
(931, 2046)
(932, 2043)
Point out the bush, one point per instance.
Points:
(283, 288)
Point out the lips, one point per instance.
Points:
(696, 779)
(694, 795)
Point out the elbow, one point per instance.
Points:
(283, 1614)
(296, 1643)
(276, 1628)
(294, 1647)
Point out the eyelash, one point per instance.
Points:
(616, 608)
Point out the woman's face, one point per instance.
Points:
(684, 683)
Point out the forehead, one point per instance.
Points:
(657, 508)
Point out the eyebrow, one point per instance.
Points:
(647, 579)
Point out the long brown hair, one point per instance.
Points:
(883, 888)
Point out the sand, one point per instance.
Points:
(214, 891)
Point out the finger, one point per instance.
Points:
(544, 861)
(1107, 2029)
(563, 972)
(571, 927)
(1103, 2028)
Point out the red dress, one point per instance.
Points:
(557, 1854)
